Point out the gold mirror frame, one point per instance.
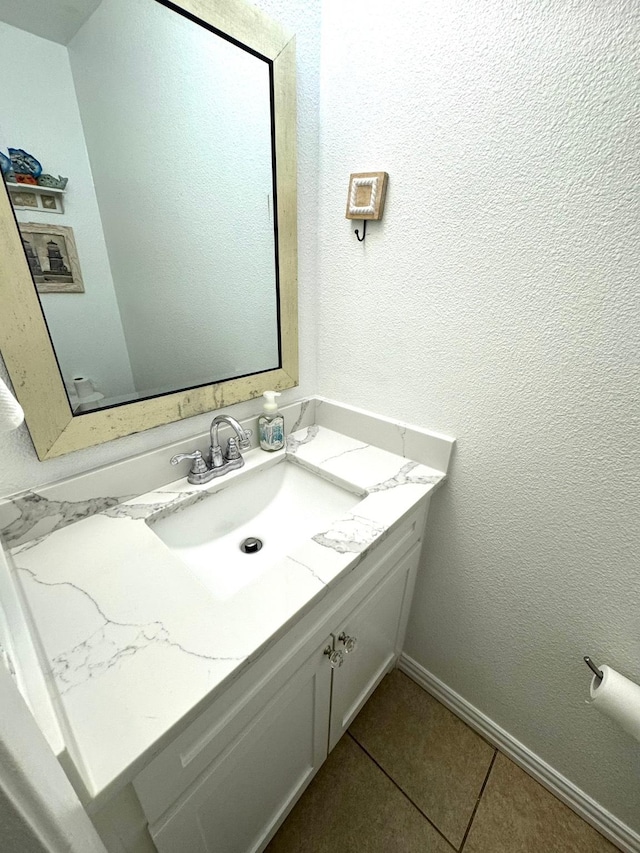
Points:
(24, 339)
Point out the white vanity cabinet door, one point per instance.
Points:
(377, 625)
(239, 802)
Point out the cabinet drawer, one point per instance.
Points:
(240, 801)
(168, 775)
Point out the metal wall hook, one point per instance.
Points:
(594, 669)
(364, 231)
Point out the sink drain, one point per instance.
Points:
(251, 545)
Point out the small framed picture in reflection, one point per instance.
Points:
(52, 257)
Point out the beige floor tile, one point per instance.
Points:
(352, 807)
(517, 815)
(437, 760)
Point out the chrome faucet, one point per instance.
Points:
(216, 459)
(218, 463)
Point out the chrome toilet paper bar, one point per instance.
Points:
(594, 669)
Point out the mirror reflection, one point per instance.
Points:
(136, 147)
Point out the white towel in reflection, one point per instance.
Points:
(11, 414)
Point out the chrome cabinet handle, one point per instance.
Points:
(350, 643)
(336, 657)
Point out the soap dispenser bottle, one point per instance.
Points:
(271, 423)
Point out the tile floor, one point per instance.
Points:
(410, 777)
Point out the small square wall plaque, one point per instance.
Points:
(367, 191)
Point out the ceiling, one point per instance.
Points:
(56, 20)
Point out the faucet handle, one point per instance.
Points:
(232, 452)
(234, 445)
(199, 466)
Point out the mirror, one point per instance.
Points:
(147, 227)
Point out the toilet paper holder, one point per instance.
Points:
(594, 669)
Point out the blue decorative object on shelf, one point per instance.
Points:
(24, 163)
(5, 164)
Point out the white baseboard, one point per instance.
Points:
(606, 823)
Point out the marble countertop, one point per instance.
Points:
(135, 641)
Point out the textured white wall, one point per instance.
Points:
(20, 467)
(39, 113)
(498, 301)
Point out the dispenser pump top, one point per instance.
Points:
(270, 404)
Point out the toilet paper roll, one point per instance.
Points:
(618, 698)
(84, 387)
(11, 414)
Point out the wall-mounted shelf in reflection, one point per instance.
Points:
(35, 197)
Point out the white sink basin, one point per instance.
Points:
(282, 506)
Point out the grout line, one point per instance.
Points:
(406, 796)
(475, 808)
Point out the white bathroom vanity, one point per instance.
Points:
(199, 688)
